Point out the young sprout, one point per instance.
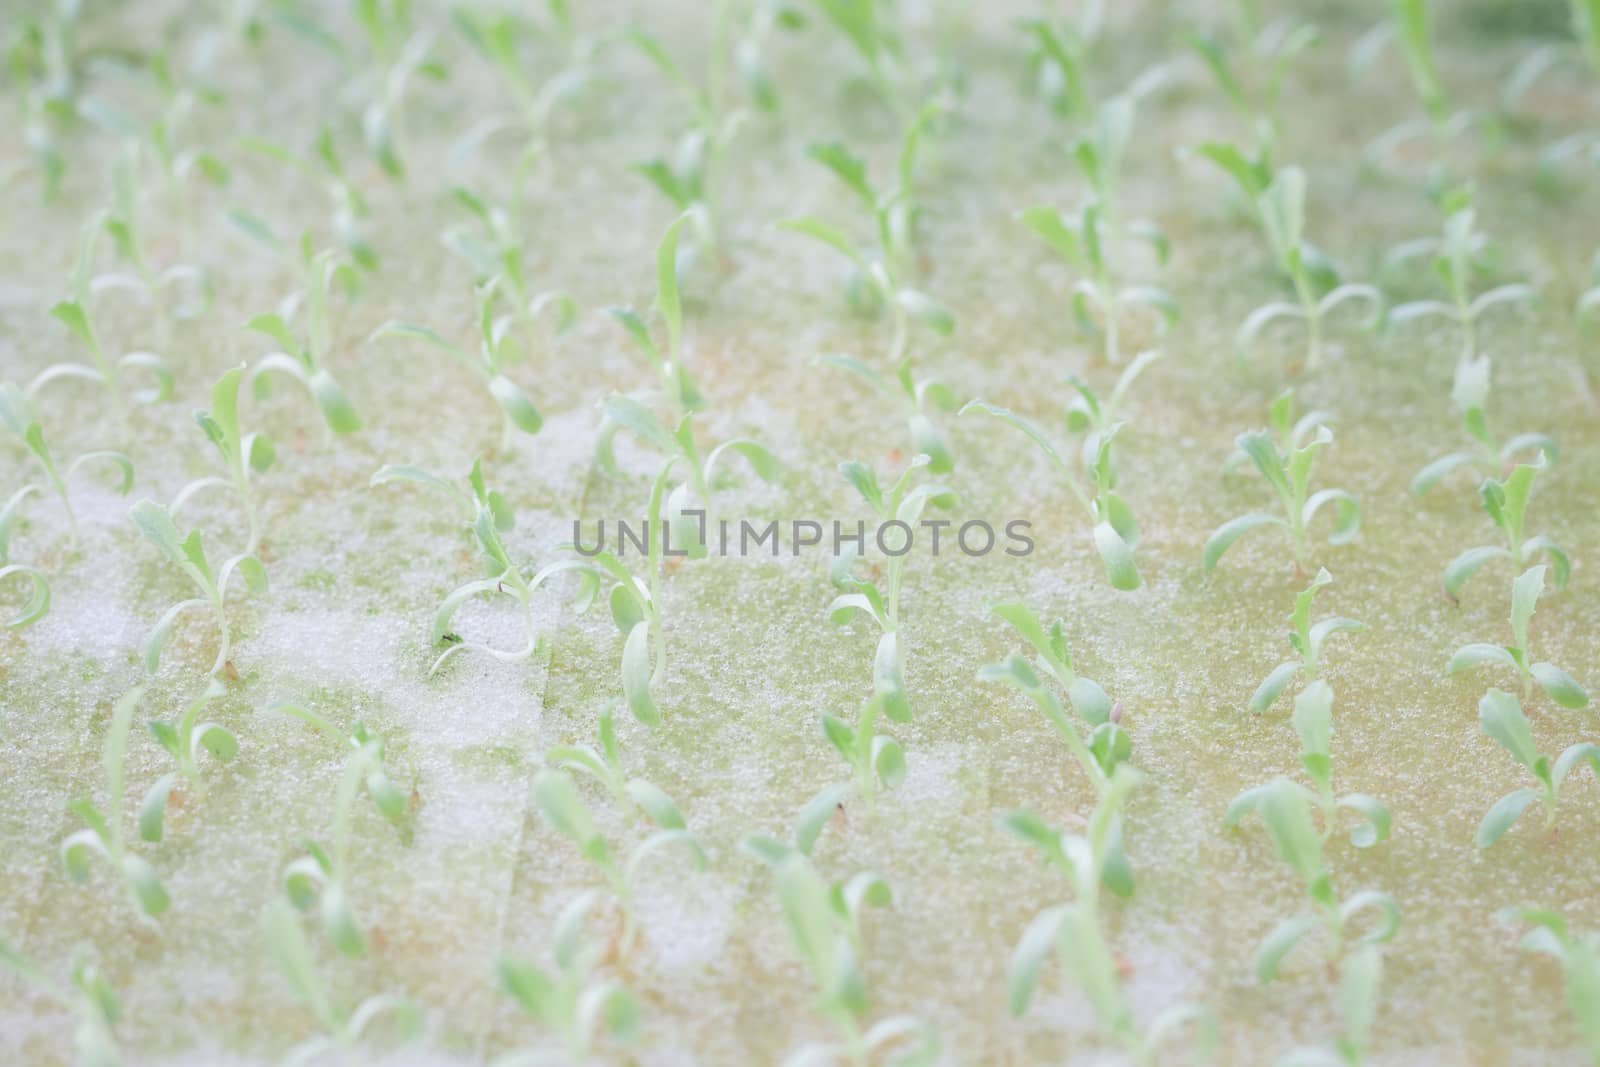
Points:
(604, 765)
(1577, 951)
(1558, 685)
(1506, 501)
(586, 1011)
(1098, 295)
(875, 759)
(176, 159)
(915, 397)
(863, 24)
(692, 181)
(1470, 395)
(497, 347)
(1313, 723)
(1307, 640)
(188, 552)
(17, 416)
(1108, 744)
(104, 834)
(1059, 55)
(492, 246)
(184, 741)
(680, 450)
(321, 878)
(1254, 84)
(351, 213)
(1455, 259)
(563, 810)
(492, 517)
(1073, 931)
(242, 454)
(192, 284)
(392, 802)
(76, 313)
(901, 506)
(1285, 808)
(678, 390)
(341, 1031)
(396, 52)
(1360, 976)
(1410, 27)
(1502, 719)
(1280, 209)
(746, 28)
(825, 925)
(498, 37)
(89, 998)
(1116, 531)
(1284, 456)
(1096, 418)
(303, 357)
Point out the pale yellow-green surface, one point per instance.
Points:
(356, 572)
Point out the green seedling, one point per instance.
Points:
(678, 391)
(916, 397)
(1558, 685)
(692, 181)
(17, 416)
(1280, 209)
(680, 450)
(37, 604)
(1307, 639)
(1502, 719)
(1456, 258)
(321, 878)
(185, 740)
(191, 284)
(492, 517)
(824, 923)
(168, 136)
(875, 760)
(1285, 456)
(492, 246)
(1410, 27)
(324, 167)
(1470, 394)
(502, 39)
(242, 454)
(1252, 173)
(1059, 55)
(1578, 953)
(1108, 743)
(563, 810)
(604, 765)
(396, 52)
(1252, 74)
(89, 997)
(497, 348)
(188, 552)
(1096, 418)
(104, 834)
(1506, 501)
(304, 354)
(1116, 531)
(588, 1012)
(1313, 723)
(1285, 808)
(870, 30)
(342, 1032)
(904, 505)
(1098, 299)
(1073, 931)
(392, 802)
(878, 270)
(76, 313)
(1360, 978)
(746, 30)
(45, 67)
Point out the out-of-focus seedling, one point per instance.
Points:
(105, 834)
